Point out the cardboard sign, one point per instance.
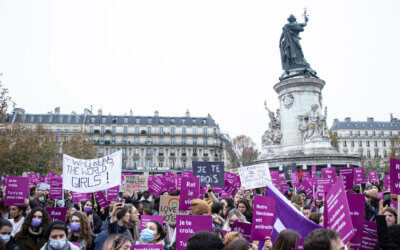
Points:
(101, 199)
(135, 183)
(263, 217)
(144, 219)
(357, 213)
(187, 225)
(209, 172)
(112, 193)
(254, 176)
(169, 208)
(88, 176)
(57, 213)
(359, 175)
(395, 176)
(190, 190)
(17, 189)
(56, 191)
(244, 228)
(337, 211)
(373, 177)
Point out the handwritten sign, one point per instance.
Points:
(210, 173)
(89, 176)
(254, 176)
(135, 183)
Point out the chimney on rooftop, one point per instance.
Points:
(347, 119)
(370, 119)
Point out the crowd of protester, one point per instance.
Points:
(89, 226)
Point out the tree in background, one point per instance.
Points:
(242, 151)
(334, 140)
(79, 146)
(394, 147)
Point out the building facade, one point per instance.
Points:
(152, 143)
(369, 139)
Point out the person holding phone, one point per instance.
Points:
(388, 230)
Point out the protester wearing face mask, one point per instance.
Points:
(93, 217)
(16, 218)
(5, 235)
(32, 234)
(152, 233)
(57, 237)
(80, 231)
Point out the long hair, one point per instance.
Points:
(234, 211)
(85, 231)
(46, 220)
(286, 240)
(115, 241)
(249, 209)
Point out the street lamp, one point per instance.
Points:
(40, 169)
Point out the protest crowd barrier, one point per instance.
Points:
(93, 205)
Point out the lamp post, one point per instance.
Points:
(40, 169)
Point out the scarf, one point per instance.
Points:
(66, 246)
(33, 232)
(133, 231)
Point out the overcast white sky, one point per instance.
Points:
(210, 56)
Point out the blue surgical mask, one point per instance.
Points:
(147, 235)
(58, 244)
(5, 237)
(41, 198)
(60, 203)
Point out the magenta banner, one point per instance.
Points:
(148, 247)
(51, 174)
(348, 176)
(34, 179)
(299, 244)
(370, 236)
(144, 219)
(322, 187)
(190, 190)
(386, 181)
(359, 175)
(282, 178)
(229, 188)
(329, 173)
(112, 193)
(337, 211)
(233, 179)
(373, 177)
(187, 225)
(306, 175)
(101, 199)
(187, 174)
(17, 189)
(395, 176)
(57, 213)
(243, 228)
(263, 217)
(156, 185)
(275, 176)
(56, 191)
(306, 186)
(314, 171)
(80, 197)
(357, 212)
(295, 178)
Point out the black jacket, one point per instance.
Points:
(388, 237)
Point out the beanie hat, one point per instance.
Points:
(54, 223)
(199, 207)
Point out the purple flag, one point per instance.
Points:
(148, 247)
(187, 225)
(56, 191)
(357, 213)
(17, 189)
(263, 217)
(314, 171)
(144, 219)
(337, 211)
(359, 175)
(101, 199)
(395, 176)
(190, 190)
(244, 228)
(370, 236)
(373, 177)
(329, 173)
(57, 213)
(156, 185)
(348, 176)
(299, 244)
(112, 193)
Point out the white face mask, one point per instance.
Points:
(57, 244)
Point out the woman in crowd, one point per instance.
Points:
(57, 234)
(132, 226)
(32, 234)
(245, 208)
(232, 236)
(238, 197)
(16, 218)
(228, 205)
(70, 211)
(117, 242)
(317, 218)
(217, 210)
(80, 231)
(5, 235)
(152, 233)
(93, 217)
(233, 215)
(286, 240)
(371, 204)
(388, 230)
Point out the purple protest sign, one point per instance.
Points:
(394, 204)
(17, 189)
(79, 197)
(179, 182)
(373, 177)
(359, 176)
(56, 191)
(57, 213)
(112, 193)
(34, 179)
(348, 176)
(357, 213)
(274, 176)
(299, 244)
(263, 217)
(148, 247)
(295, 178)
(101, 199)
(144, 219)
(169, 182)
(156, 185)
(386, 181)
(229, 188)
(329, 173)
(370, 236)
(314, 171)
(282, 178)
(187, 174)
(187, 225)
(190, 190)
(337, 211)
(51, 174)
(244, 228)
(322, 187)
(306, 186)
(306, 175)
(233, 179)
(395, 176)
